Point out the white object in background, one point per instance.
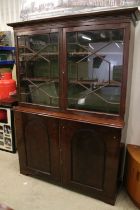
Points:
(35, 9)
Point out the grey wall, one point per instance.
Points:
(9, 12)
(133, 128)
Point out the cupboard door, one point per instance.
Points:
(90, 156)
(38, 145)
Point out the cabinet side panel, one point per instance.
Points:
(19, 135)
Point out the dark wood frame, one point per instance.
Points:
(108, 125)
(110, 19)
(126, 29)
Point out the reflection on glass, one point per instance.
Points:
(95, 63)
(39, 69)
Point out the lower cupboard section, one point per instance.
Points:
(78, 156)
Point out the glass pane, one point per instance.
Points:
(95, 63)
(39, 69)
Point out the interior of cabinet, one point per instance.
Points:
(95, 64)
(39, 68)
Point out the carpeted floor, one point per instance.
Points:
(25, 193)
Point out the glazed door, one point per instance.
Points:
(38, 62)
(90, 156)
(38, 145)
(95, 65)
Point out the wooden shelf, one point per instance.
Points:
(80, 53)
(112, 82)
(35, 54)
(41, 79)
(86, 82)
